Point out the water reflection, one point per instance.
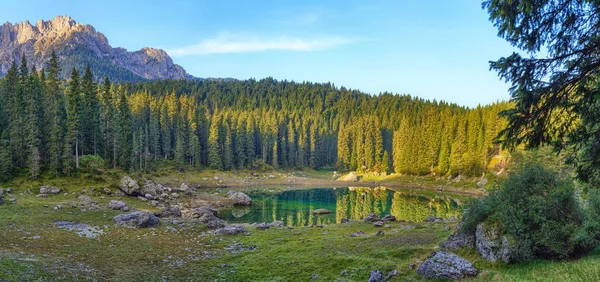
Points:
(295, 207)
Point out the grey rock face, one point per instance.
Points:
(81, 43)
(117, 205)
(444, 265)
(230, 230)
(49, 190)
(239, 198)
(491, 245)
(137, 219)
(129, 186)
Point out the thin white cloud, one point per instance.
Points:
(233, 44)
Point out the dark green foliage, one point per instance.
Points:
(555, 92)
(6, 167)
(538, 208)
(235, 125)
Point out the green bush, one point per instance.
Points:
(538, 208)
(91, 163)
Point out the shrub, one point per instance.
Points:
(91, 163)
(539, 210)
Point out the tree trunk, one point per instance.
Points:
(77, 153)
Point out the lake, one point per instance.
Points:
(294, 207)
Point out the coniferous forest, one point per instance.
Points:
(53, 126)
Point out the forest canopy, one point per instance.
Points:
(47, 125)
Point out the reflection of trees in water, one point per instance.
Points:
(295, 207)
(356, 203)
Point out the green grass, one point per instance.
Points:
(32, 248)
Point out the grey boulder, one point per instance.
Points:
(139, 219)
(231, 230)
(49, 190)
(129, 186)
(171, 211)
(117, 205)
(239, 198)
(444, 265)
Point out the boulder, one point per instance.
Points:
(321, 211)
(107, 191)
(231, 230)
(388, 217)
(129, 186)
(359, 233)
(277, 223)
(117, 205)
(371, 218)
(184, 188)
(171, 211)
(378, 223)
(150, 188)
(208, 215)
(263, 226)
(482, 182)
(459, 240)
(138, 219)
(444, 265)
(86, 200)
(271, 176)
(433, 219)
(376, 276)
(351, 177)
(491, 245)
(49, 190)
(148, 196)
(239, 198)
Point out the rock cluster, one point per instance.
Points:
(49, 190)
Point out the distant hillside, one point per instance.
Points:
(78, 45)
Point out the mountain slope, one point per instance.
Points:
(78, 45)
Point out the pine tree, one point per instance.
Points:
(385, 162)
(71, 149)
(125, 135)
(90, 115)
(6, 167)
(109, 136)
(214, 145)
(34, 121)
(55, 115)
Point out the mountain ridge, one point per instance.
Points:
(78, 45)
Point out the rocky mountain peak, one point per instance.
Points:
(78, 45)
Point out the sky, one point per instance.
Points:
(433, 49)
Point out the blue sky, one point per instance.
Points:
(434, 49)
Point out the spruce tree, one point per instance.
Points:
(55, 115)
(6, 166)
(71, 149)
(124, 121)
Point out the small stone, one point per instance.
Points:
(142, 199)
(107, 191)
(376, 276)
(378, 223)
(263, 226)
